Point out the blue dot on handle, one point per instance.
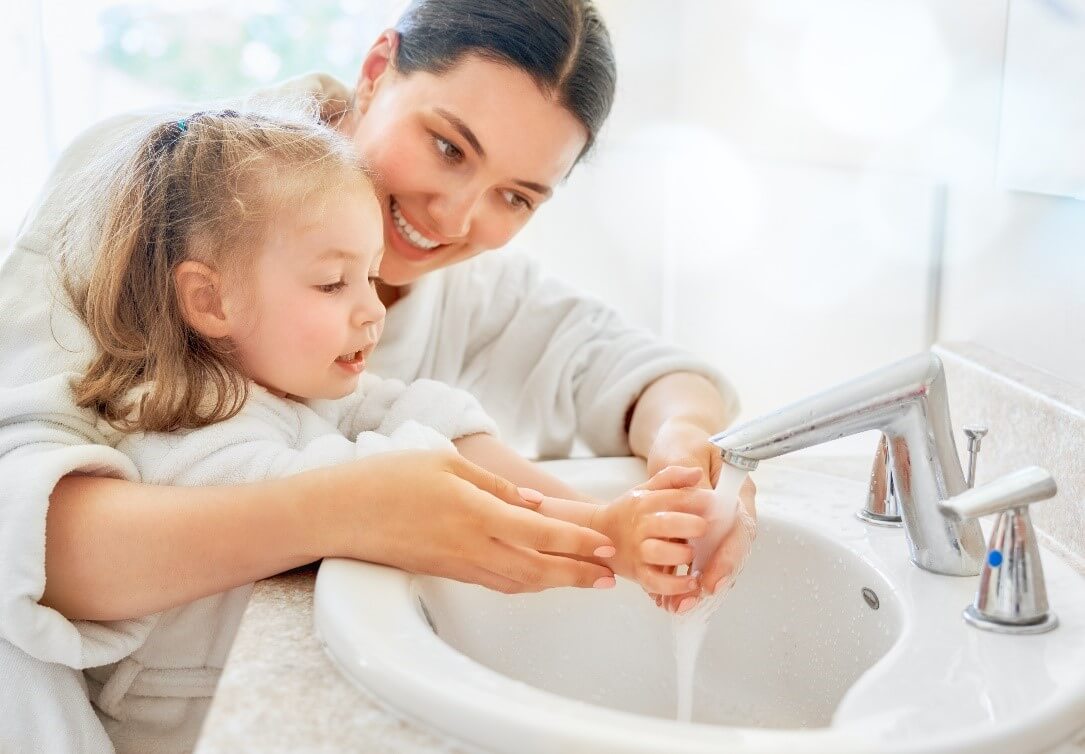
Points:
(994, 558)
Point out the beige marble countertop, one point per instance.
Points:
(280, 692)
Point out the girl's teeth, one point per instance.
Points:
(409, 232)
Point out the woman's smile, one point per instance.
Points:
(407, 239)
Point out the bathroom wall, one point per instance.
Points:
(798, 190)
(814, 185)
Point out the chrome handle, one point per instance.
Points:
(1014, 490)
(1012, 596)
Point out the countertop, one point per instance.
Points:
(280, 692)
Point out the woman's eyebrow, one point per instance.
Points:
(460, 126)
(469, 135)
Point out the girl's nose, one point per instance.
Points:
(368, 313)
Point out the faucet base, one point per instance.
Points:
(875, 519)
(974, 617)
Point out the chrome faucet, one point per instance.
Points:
(908, 402)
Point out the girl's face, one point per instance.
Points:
(310, 314)
(465, 157)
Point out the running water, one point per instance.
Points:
(690, 627)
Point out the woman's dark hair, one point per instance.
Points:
(562, 44)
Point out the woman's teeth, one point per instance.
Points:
(409, 232)
(350, 357)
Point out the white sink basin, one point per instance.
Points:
(795, 660)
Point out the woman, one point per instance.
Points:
(471, 111)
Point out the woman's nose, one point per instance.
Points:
(454, 211)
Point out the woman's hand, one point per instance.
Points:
(727, 562)
(442, 515)
(680, 442)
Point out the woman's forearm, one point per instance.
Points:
(117, 549)
(680, 396)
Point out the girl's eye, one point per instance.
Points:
(517, 201)
(449, 151)
(374, 279)
(332, 287)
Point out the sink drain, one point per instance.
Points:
(869, 597)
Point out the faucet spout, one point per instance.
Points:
(908, 402)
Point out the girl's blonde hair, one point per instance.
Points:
(203, 188)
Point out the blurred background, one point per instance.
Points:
(798, 190)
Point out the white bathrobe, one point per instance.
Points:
(549, 365)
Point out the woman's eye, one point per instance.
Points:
(332, 287)
(448, 150)
(517, 201)
(374, 279)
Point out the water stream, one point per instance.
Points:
(690, 627)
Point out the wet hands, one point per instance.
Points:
(650, 526)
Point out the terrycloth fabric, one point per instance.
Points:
(150, 678)
(156, 697)
(548, 364)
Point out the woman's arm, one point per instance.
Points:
(672, 420)
(118, 549)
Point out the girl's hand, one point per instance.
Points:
(645, 522)
(442, 515)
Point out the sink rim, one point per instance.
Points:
(501, 702)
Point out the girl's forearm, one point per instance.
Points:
(493, 455)
(117, 549)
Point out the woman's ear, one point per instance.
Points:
(200, 299)
(378, 62)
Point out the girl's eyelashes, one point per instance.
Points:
(332, 287)
(450, 153)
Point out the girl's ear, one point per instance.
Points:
(200, 299)
(377, 64)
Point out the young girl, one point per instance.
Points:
(233, 306)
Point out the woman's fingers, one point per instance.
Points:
(525, 528)
(534, 569)
(661, 553)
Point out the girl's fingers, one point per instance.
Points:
(697, 500)
(670, 525)
(657, 582)
(673, 477)
(661, 553)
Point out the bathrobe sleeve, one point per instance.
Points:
(547, 360)
(384, 405)
(44, 437)
(268, 439)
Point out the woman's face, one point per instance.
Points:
(465, 158)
